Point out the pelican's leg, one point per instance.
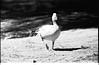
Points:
(53, 45)
(43, 41)
(47, 44)
(50, 47)
(47, 47)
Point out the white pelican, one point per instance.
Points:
(50, 32)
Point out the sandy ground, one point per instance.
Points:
(31, 49)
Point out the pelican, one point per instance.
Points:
(50, 32)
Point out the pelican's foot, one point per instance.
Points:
(52, 52)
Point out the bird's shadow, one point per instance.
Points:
(69, 49)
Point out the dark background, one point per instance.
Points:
(30, 7)
(24, 15)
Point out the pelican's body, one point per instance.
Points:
(47, 30)
(50, 32)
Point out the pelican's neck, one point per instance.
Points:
(54, 19)
(55, 24)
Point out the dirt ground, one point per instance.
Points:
(69, 43)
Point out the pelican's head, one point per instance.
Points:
(54, 17)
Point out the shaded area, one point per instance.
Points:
(79, 20)
(27, 26)
(28, 8)
(69, 49)
(21, 18)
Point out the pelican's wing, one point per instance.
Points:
(37, 29)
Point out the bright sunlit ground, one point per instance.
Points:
(31, 49)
